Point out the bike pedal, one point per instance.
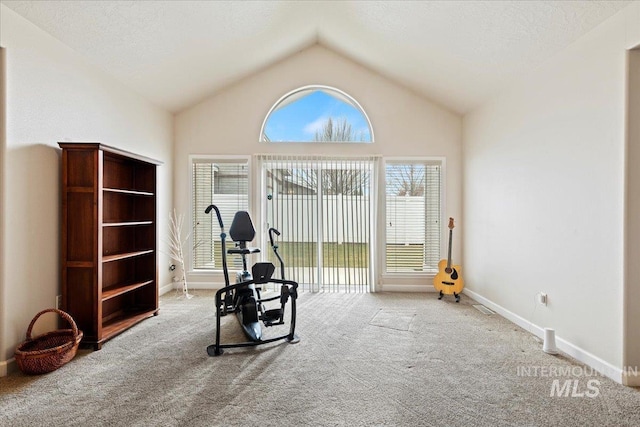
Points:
(271, 316)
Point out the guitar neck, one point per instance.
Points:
(449, 256)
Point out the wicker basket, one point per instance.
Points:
(48, 352)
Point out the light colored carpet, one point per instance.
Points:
(363, 360)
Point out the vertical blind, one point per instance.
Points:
(224, 183)
(413, 212)
(323, 208)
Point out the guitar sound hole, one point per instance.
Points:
(448, 270)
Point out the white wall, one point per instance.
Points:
(54, 95)
(632, 235)
(544, 194)
(3, 203)
(404, 124)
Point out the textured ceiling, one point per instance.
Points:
(456, 53)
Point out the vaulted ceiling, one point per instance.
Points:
(456, 53)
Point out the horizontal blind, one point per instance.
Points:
(413, 211)
(224, 183)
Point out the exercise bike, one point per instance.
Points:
(243, 297)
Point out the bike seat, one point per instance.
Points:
(242, 230)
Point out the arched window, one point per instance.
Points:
(316, 114)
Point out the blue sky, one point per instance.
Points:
(299, 120)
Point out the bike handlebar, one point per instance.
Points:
(214, 207)
(271, 231)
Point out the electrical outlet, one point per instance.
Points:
(542, 298)
(59, 302)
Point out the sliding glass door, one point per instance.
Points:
(322, 207)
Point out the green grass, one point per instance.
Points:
(305, 254)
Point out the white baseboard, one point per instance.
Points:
(165, 288)
(605, 368)
(7, 367)
(631, 379)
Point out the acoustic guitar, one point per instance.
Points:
(448, 280)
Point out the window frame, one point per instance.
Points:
(407, 278)
(212, 158)
(351, 99)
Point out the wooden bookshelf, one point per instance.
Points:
(109, 242)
